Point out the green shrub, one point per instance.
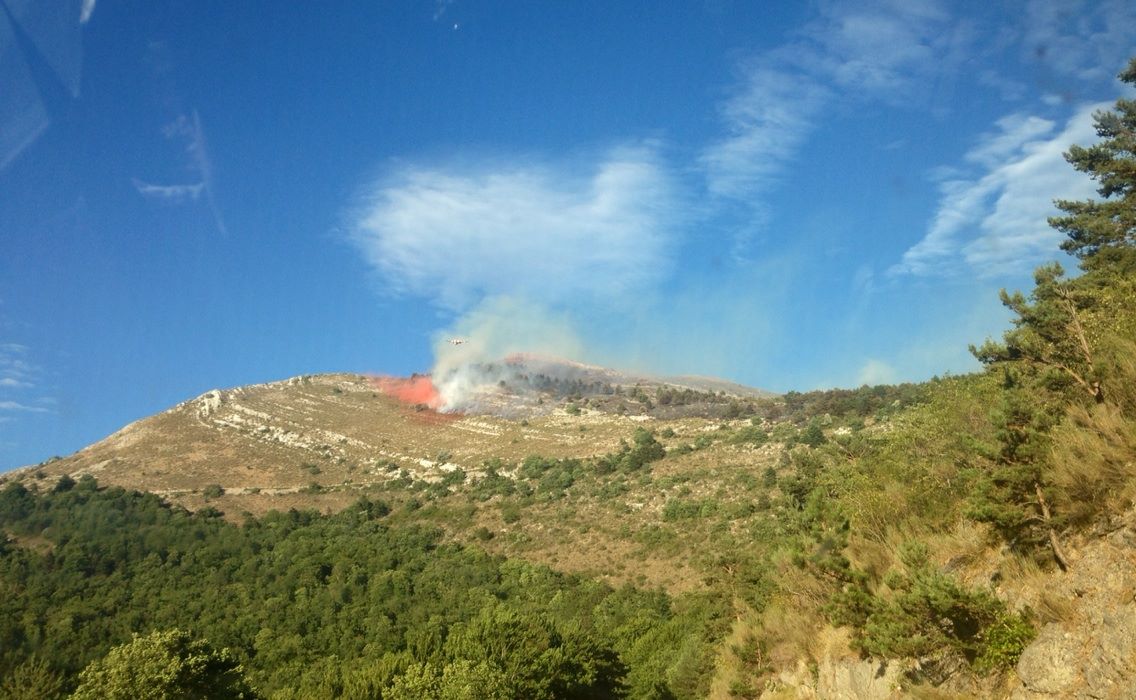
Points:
(924, 611)
(813, 435)
(510, 513)
(644, 450)
(453, 478)
(1003, 643)
(750, 435)
(678, 509)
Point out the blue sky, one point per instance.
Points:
(199, 194)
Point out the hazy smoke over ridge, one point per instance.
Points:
(498, 328)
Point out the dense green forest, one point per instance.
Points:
(111, 593)
(327, 606)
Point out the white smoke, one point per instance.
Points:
(498, 327)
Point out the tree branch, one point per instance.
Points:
(1079, 332)
(1054, 543)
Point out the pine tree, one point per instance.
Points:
(1052, 357)
(1103, 233)
(1049, 334)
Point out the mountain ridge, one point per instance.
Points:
(342, 431)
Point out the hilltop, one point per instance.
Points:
(351, 431)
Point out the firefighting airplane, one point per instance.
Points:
(457, 341)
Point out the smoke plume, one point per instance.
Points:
(501, 327)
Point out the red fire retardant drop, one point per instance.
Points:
(416, 389)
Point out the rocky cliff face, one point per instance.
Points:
(1087, 651)
(1092, 652)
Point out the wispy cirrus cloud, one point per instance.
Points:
(174, 194)
(907, 54)
(886, 49)
(991, 218)
(767, 120)
(440, 7)
(86, 10)
(546, 232)
(17, 406)
(18, 378)
(16, 372)
(189, 131)
(876, 51)
(1082, 39)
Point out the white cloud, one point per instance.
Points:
(891, 51)
(16, 406)
(881, 47)
(872, 51)
(189, 130)
(1015, 131)
(15, 371)
(19, 377)
(86, 11)
(767, 119)
(994, 221)
(543, 233)
(1083, 39)
(440, 7)
(174, 194)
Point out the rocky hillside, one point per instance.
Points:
(338, 432)
(320, 439)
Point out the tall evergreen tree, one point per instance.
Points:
(1053, 353)
(1050, 330)
(1049, 334)
(1103, 233)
